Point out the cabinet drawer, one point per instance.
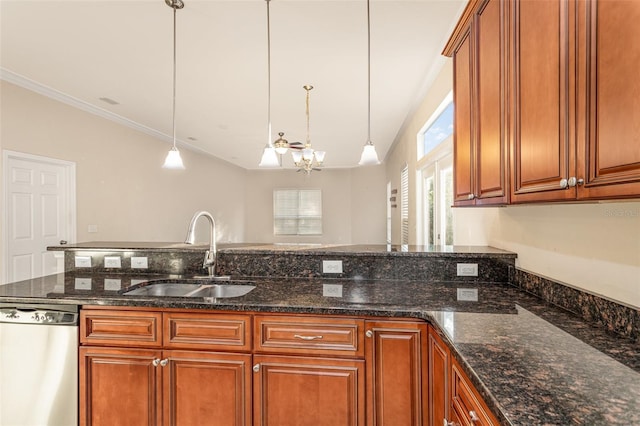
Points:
(309, 335)
(207, 331)
(120, 328)
(466, 402)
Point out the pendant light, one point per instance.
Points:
(307, 159)
(269, 155)
(173, 160)
(369, 156)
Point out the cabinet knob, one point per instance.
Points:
(256, 368)
(564, 183)
(369, 333)
(451, 423)
(164, 362)
(474, 416)
(471, 196)
(155, 362)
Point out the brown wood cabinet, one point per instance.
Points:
(552, 84)
(397, 371)
(164, 386)
(480, 77)
(453, 400)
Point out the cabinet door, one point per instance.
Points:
(463, 155)
(396, 356)
(206, 388)
(611, 158)
(466, 403)
(438, 380)
(543, 151)
(307, 391)
(119, 387)
(491, 142)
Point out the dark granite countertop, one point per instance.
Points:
(533, 363)
(299, 249)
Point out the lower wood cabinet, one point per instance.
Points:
(396, 358)
(182, 368)
(308, 391)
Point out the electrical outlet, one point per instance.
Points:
(112, 262)
(332, 266)
(332, 290)
(83, 261)
(139, 263)
(467, 269)
(468, 294)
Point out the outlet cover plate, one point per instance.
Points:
(467, 269)
(83, 261)
(141, 262)
(332, 266)
(112, 262)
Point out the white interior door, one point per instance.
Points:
(39, 211)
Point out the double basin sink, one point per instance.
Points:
(220, 287)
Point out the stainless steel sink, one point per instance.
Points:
(190, 289)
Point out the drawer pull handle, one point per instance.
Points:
(298, 336)
(474, 416)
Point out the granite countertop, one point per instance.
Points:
(299, 249)
(533, 363)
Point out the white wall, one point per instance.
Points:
(121, 186)
(591, 246)
(353, 204)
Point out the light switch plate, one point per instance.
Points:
(467, 269)
(83, 261)
(332, 266)
(139, 263)
(112, 262)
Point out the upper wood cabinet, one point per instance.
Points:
(480, 77)
(546, 101)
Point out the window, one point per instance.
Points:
(404, 205)
(435, 182)
(438, 128)
(297, 212)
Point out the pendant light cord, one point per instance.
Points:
(174, 6)
(308, 88)
(368, 76)
(268, 74)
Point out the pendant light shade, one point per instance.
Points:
(173, 160)
(369, 155)
(269, 155)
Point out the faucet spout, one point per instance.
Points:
(211, 255)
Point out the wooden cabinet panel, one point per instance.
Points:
(309, 335)
(307, 391)
(491, 145)
(463, 155)
(207, 331)
(119, 387)
(120, 328)
(480, 134)
(396, 355)
(543, 139)
(439, 380)
(610, 162)
(466, 403)
(205, 388)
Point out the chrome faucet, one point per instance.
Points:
(210, 255)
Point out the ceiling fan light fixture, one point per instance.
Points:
(269, 158)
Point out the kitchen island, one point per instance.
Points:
(531, 362)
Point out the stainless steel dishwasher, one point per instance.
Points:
(38, 365)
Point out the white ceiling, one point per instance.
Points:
(84, 50)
